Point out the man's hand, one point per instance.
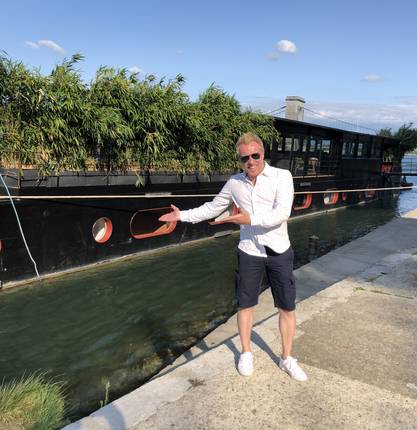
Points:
(171, 216)
(241, 218)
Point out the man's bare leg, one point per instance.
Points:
(286, 322)
(244, 323)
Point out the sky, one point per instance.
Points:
(351, 60)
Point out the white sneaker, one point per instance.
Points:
(291, 366)
(245, 366)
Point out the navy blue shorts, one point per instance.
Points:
(278, 268)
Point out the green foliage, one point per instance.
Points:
(106, 385)
(385, 132)
(407, 135)
(32, 403)
(117, 122)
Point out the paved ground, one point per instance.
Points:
(356, 339)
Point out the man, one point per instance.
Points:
(264, 196)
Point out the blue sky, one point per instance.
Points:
(351, 60)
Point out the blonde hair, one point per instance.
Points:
(247, 139)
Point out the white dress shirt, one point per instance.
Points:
(268, 203)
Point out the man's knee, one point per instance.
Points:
(288, 313)
(245, 310)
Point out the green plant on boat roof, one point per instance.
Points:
(140, 180)
(119, 121)
(34, 402)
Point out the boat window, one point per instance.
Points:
(359, 152)
(296, 145)
(350, 149)
(288, 144)
(325, 146)
(102, 230)
(304, 144)
(298, 166)
(313, 166)
(376, 150)
(279, 144)
(145, 223)
(345, 148)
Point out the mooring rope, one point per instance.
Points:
(20, 226)
(168, 195)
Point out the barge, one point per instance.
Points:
(81, 218)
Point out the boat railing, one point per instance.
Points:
(409, 166)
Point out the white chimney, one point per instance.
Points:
(295, 108)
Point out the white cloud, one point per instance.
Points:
(376, 116)
(402, 109)
(47, 44)
(135, 70)
(32, 45)
(286, 46)
(51, 45)
(272, 56)
(372, 77)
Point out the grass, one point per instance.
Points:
(32, 403)
(106, 385)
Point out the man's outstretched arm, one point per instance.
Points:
(204, 212)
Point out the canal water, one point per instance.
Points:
(121, 323)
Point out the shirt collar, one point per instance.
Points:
(267, 170)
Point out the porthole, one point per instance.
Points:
(145, 223)
(370, 194)
(102, 230)
(302, 201)
(330, 198)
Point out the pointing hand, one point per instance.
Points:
(172, 216)
(241, 218)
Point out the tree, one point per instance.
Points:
(407, 135)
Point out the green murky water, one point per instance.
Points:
(125, 321)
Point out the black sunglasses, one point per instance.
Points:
(245, 158)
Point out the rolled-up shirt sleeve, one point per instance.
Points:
(210, 209)
(281, 210)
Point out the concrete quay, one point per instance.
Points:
(356, 339)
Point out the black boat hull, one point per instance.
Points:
(59, 232)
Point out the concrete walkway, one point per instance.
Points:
(356, 339)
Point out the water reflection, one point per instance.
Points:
(123, 322)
